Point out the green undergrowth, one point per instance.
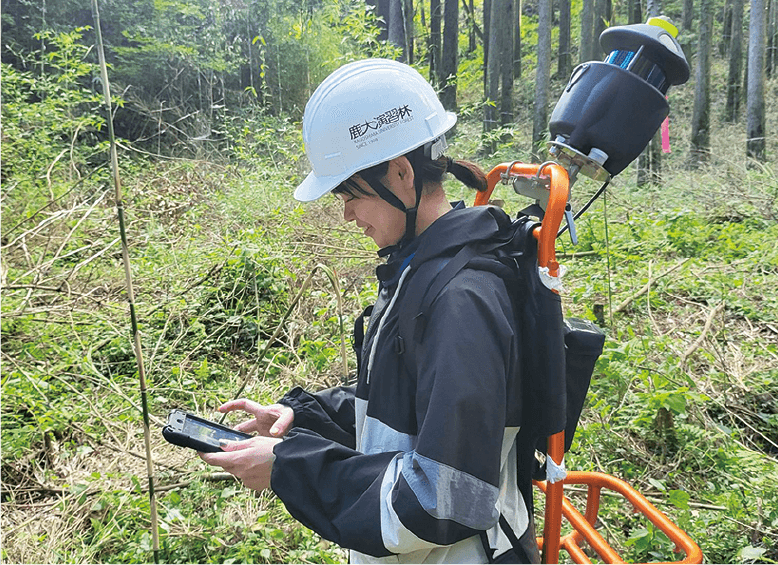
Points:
(683, 403)
(682, 277)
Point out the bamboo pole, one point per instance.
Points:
(128, 279)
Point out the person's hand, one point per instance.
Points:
(250, 460)
(274, 420)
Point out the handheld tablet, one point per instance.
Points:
(187, 430)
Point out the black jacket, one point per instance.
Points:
(419, 458)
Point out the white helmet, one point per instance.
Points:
(363, 114)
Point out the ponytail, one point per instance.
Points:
(428, 170)
(467, 173)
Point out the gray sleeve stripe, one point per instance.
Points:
(449, 494)
(396, 537)
(377, 437)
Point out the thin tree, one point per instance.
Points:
(517, 8)
(734, 90)
(687, 19)
(44, 25)
(506, 64)
(602, 18)
(564, 59)
(447, 79)
(492, 74)
(499, 69)
(474, 31)
(771, 54)
(542, 78)
(700, 142)
(396, 27)
(408, 14)
(770, 32)
(472, 42)
(587, 31)
(435, 41)
(649, 165)
(726, 31)
(634, 12)
(755, 109)
(381, 9)
(487, 8)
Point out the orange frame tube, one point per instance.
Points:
(556, 503)
(583, 524)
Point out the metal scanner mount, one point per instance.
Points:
(610, 110)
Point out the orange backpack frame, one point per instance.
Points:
(556, 504)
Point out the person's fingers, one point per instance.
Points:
(247, 426)
(220, 458)
(210, 458)
(283, 423)
(274, 420)
(228, 446)
(240, 404)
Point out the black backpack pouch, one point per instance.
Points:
(583, 346)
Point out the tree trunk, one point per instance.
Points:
(649, 164)
(493, 68)
(700, 146)
(564, 61)
(772, 39)
(634, 12)
(755, 127)
(601, 19)
(542, 77)
(734, 91)
(435, 17)
(447, 79)
(472, 44)
(408, 13)
(487, 39)
(726, 32)
(506, 63)
(587, 31)
(381, 9)
(517, 7)
(687, 20)
(44, 26)
(773, 52)
(396, 25)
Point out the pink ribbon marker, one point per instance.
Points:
(666, 135)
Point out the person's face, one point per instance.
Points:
(378, 219)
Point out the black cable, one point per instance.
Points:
(586, 206)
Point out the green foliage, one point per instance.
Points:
(51, 121)
(685, 414)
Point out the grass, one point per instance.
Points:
(683, 404)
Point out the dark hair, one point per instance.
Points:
(426, 169)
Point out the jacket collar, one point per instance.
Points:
(444, 237)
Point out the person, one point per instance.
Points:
(418, 461)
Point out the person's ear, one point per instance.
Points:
(403, 168)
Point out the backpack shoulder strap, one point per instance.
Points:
(438, 282)
(414, 309)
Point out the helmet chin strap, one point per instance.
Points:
(410, 213)
(432, 150)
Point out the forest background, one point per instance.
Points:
(235, 284)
